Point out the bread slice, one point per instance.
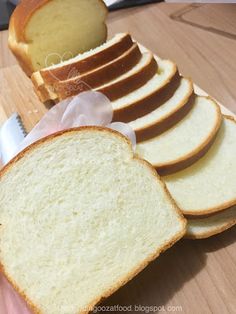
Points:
(150, 96)
(87, 61)
(208, 186)
(185, 142)
(167, 115)
(139, 75)
(86, 216)
(60, 90)
(61, 29)
(207, 227)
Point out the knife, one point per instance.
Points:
(12, 133)
(123, 4)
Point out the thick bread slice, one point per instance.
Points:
(87, 61)
(39, 28)
(209, 185)
(167, 115)
(86, 216)
(131, 80)
(147, 98)
(185, 142)
(207, 227)
(60, 90)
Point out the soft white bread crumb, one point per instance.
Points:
(209, 185)
(84, 218)
(207, 227)
(186, 138)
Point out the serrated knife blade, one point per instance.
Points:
(12, 134)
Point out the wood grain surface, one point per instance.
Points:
(193, 277)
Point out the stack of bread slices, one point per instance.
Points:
(183, 135)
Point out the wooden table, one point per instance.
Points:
(193, 276)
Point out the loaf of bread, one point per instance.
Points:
(86, 216)
(45, 32)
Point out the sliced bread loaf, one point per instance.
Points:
(60, 90)
(209, 185)
(39, 28)
(185, 142)
(131, 80)
(86, 216)
(87, 61)
(167, 115)
(148, 97)
(143, 71)
(207, 227)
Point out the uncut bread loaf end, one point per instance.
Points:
(44, 32)
(83, 222)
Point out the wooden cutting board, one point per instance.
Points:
(192, 277)
(17, 95)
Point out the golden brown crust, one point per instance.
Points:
(21, 55)
(209, 212)
(155, 129)
(140, 267)
(209, 215)
(129, 84)
(88, 64)
(216, 209)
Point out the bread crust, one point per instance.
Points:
(95, 78)
(140, 267)
(150, 102)
(207, 215)
(205, 235)
(17, 26)
(216, 209)
(211, 232)
(154, 129)
(129, 84)
(100, 58)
